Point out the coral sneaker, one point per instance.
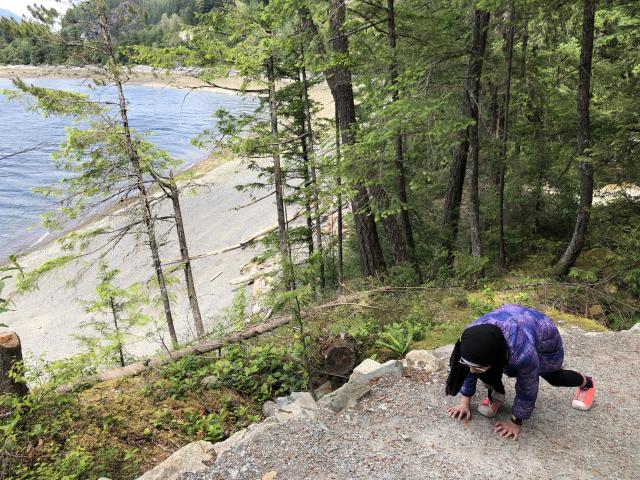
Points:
(489, 408)
(583, 400)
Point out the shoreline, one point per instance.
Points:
(139, 75)
(201, 167)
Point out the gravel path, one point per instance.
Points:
(401, 431)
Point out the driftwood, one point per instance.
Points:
(10, 356)
(241, 244)
(198, 349)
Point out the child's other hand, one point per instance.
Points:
(507, 429)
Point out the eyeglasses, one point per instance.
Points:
(475, 369)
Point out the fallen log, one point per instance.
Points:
(10, 357)
(160, 360)
(241, 244)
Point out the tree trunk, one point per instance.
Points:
(132, 154)
(339, 80)
(469, 107)
(339, 187)
(505, 128)
(481, 20)
(584, 136)
(277, 170)
(314, 178)
(114, 312)
(186, 262)
(307, 190)
(401, 178)
(390, 225)
(11, 357)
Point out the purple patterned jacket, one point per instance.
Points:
(535, 348)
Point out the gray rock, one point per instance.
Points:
(366, 367)
(269, 408)
(190, 458)
(229, 443)
(282, 402)
(444, 353)
(635, 328)
(392, 367)
(424, 360)
(323, 390)
(345, 397)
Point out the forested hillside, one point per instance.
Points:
(426, 160)
(158, 23)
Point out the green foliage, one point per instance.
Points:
(261, 371)
(579, 275)
(120, 314)
(398, 337)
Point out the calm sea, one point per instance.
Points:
(172, 117)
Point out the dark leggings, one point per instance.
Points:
(564, 378)
(559, 378)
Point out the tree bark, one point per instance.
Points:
(390, 225)
(314, 177)
(401, 177)
(10, 357)
(469, 142)
(505, 129)
(114, 313)
(481, 20)
(277, 170)
(186, 262)
(339, 187)
(339, 80)
(339, 356)
(307, 189)
(578, 239)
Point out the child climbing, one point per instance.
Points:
(520, 342)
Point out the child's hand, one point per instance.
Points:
(507, 429)
(461, 412)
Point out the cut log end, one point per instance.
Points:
(10, 357)
(340, 356)
(9, 340)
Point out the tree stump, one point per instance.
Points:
(340, 355)
(10, 355)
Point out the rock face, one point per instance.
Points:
(192, 457)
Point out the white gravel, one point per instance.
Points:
(401, 431)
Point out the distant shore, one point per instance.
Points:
(138, 75)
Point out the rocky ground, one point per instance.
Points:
(400, 430)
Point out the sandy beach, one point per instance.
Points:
(47, 318)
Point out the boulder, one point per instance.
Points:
(392, 367)
(366, 367)
(190, 458)
(346, 396)
(424, 360)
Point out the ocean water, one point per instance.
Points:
(173, 117)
